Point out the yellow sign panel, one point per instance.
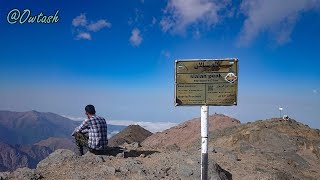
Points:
(206, 82)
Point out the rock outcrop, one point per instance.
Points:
(269, 149)
(64, 164)
(185, 134)
(132, 133)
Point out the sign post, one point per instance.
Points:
(204, 142)
(206, 82)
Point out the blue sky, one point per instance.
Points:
(119, 56)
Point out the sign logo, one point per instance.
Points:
(231, 78)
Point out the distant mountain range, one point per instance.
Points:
(16, 156)
(32, 126)
(28, 137)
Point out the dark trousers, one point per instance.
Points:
(81, 141)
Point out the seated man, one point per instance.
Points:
(92, 133)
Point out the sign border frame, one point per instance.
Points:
(216, 59)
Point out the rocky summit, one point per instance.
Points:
(132, 133)
(185, 134)
(128, 164)
(269, 149)
(265, 149)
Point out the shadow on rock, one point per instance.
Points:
(118, 151)
(136, 153)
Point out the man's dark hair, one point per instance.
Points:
(90, 109)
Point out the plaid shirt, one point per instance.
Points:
(96, 128)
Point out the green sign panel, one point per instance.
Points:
(206, 82)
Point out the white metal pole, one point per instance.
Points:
(204, 142)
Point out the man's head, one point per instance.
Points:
(90, 110)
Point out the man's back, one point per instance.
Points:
(97, 133)
(95, 128)
(92, 132)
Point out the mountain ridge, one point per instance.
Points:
(264, 149)
(30, 133)
(32, 126)
(188, 131)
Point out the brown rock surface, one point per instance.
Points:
(132, 133)
(270, 149)
(187, 133)
(64, 164)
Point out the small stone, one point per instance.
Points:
(211, 149)
(100, 159)
(135, 144)
(110, 170)
(142, 155)
(120, 155)
(142, 172)
(123, 169)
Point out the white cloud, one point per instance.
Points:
(83, 35)
(180, 14)
(272, 16)
(315, 91)
(74, 118)
(150, 126)
(80, 20)
(83, 27)
(98, 25)
(135, 38)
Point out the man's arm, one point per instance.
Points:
(83, 128)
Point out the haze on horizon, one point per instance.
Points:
(120, 57)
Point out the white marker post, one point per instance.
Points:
(204, 142)
(280, 109)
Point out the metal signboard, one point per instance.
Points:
(206, 82)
